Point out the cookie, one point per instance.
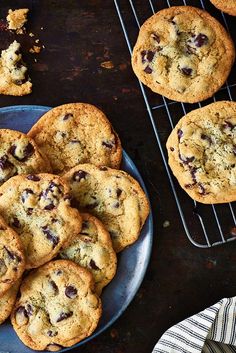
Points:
(228, 6)
(92, 249)
(114, 197)
(202, 153)
(38, 208)
(19, 154)
(16, 19)
(57, 307)
(7, 301)
(14, 80)
(183, 53)
(77, 133)
(12, 259)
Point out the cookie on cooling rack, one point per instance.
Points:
(57, 307)
(92, 249)
(38, 208)
(114, 197)
(7, 301)
(228, 6)
(12, 259)
(183, 53)
(19, 154)
(202, 153)
(77, 133)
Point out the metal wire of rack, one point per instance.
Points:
(204, 225)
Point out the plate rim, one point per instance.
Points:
(148, 223)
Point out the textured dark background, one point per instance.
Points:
(78, 37)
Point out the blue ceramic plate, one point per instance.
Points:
(132, 262)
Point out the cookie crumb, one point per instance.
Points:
(166, 224)
(107, 65)
(35, 50)
(14, 80)
(36, 40)
(16, 19)
(31, 34)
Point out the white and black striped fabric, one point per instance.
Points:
(210, 331)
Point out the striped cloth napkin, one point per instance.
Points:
(210, 331)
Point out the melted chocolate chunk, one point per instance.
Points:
(156, 37)
(147, 56)
(93, 265)
(49, 207)
(228, 125)
(71, 292)
(20, 82)
(15, 222)
(4, 163)
(25, 194)
(148, 70)
(179, 134)
(205, 137)
(103, 168)
(64, 316)
(172, 149)
(54, 287)
(27, 152)
(79, 175)
(234, 150)
(186, 160)
(29, 211)
(50, 236)
(116, 205)
(22, 311)
(193, 171)
(202, 189)
(13, 256)
(118, 192)
(200, 40)
(51, 333)
(29, 309)
(186, 71)
(109, 144)
(33, 177)
(67, 116)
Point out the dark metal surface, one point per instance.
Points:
(79, 36)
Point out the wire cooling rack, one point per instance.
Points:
(204, 225)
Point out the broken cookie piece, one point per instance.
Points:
(16, 19)
(14, 80)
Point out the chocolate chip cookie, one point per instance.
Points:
(183, 53)
(228, 6)
(38, 208)
(77, 133)
(7, 301)
(92, 249)
(16, 19)
(12, 259)
(19, 154)
(14, 80)
(202, 153)
(114, 197)
(57, 307)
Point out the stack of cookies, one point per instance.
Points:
(63, 196)
(186, 55)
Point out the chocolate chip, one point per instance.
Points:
(59, 272)
(27, 152)
(116, 205)
(71, 292)
(15, 222)
(186, 160)
(179, 134)
(13, 256)
(51, 333)
(49, 207)
(228, 125)
(22, 311)
(67, 116)
(29, 211)
(147, 56)
(193, 171)
(64, 316)
(108, 144)
(54, 287)
(19, 82)
(186, 71)
(118, 192)
(156, 37)
(202, 189)
(29, 309)
(4, 163)
(79, 175)
(103, 168)
(33, 177)
(75, 141)
(205, 137)
(50, 236)
(91, 206)
(172, 149)
(148, 70)
(200, 40)
(25, 194)
(93, 265)
(234, 150)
